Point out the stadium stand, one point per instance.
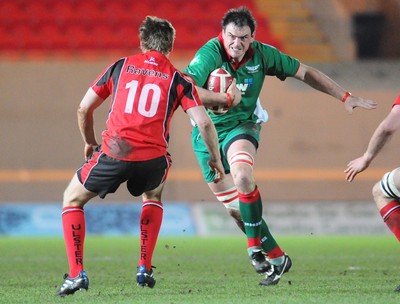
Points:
(98, 26)
(294, 23)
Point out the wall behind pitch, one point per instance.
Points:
(303, 151)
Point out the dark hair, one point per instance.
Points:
(240, 17)
(156, 34)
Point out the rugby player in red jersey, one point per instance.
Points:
(144, 91)
(386, 192)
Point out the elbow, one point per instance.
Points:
(205, 124)
(208, 126)
(82, 111)
(387, 128)
(388, 132)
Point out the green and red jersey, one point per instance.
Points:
(260, 60)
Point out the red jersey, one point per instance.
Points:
(145, 90)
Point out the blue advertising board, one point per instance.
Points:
(25, 219)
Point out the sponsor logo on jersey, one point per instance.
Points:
(247, 83)
(145, 72)
(253, 69)
(152, 61)
(242, 87)
(195, 60)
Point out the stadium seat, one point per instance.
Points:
(105, 25)
(54, 37)
(7, 40)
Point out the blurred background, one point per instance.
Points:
(51, 51)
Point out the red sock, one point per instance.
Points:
(73, 219)
(275, 253)
(150, 223)
(391, 216)
(253, 242)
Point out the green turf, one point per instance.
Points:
(204, 270)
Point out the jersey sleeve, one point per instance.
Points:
(206, 60)
(105, 82)
(190, 96)
(278, 63)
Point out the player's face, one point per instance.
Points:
(237, 40)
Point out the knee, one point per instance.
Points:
(376, 191)
(76, 195)
(379, 197)
(151, 196)
(243, 179)
(67, 197)
(70, 199)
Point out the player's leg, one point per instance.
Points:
(150, 224)
(73, 220)
(240, 156)
(247, 134)
(100, 175)
(148, 180)
(386, 194)
(225, 191)
(241, 159)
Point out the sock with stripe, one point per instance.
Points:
(250, 206)
(73, 221)
(228, 197)
(391, 216)
(270, 246)
(150, 223)
(268, 243)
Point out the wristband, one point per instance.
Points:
(230, 100)
(346, 96)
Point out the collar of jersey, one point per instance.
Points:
(154, 53)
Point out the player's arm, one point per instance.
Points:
(207, 131)
(210, 98)
(378, 140)
(86, 120)
(321, 82)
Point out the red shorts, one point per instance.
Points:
(103, 174)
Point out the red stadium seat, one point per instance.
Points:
(27, 38)
(54, 37)
(110, 25)
(7, 39)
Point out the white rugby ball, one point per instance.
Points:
(218, 81)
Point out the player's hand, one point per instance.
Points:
(89, 149)
(234, 92)
(353, 102)
(355, 166)
(218, 168)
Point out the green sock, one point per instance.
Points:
(267, 240)
(251, 213)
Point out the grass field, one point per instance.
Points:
(204, 270)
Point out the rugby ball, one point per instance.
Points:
(218, 81)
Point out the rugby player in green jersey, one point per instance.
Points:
(249, 62)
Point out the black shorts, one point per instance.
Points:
(103, 174)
